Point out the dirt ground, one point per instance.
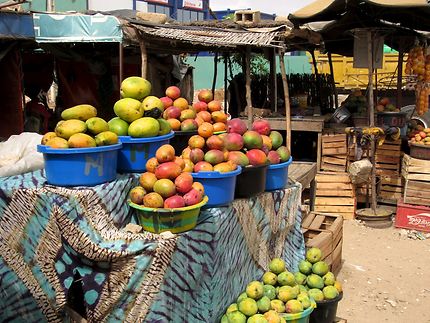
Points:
(385, 275)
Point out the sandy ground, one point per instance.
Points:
(385, 275)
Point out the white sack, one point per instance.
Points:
(19, 154)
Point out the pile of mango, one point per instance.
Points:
(80, 128)
(166, 183)
(420, 136)
(260, 145)
(281, 292)
(138, 113)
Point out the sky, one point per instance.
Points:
(278, 7)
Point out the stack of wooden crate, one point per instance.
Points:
(388, 158)
(335, 194)
(417, 176)
(334, 152)
(390, 189)
(325, 232)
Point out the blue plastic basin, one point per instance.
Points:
(80, 166)
(135, 152)
(277, 175)
(219, 187)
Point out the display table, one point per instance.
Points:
(51, 238)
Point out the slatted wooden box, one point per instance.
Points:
(390, 189)
(334, 152)
(335, 194)
(417, 176)
(325, 231)
(388, 158)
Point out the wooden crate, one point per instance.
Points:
(325, 231)
(390, 189)
(388, 158)
(417, 176)
(335, 194)
(334, 152)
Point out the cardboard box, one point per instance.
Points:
(413, 217)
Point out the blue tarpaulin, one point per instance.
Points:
(16, 26)
(63, 28)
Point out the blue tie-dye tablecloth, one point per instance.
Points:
(54, 238)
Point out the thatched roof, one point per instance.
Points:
(180, 38)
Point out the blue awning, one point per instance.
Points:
(64, 28)
(16, 26)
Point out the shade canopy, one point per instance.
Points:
(66, 28)
(413, 14)
(16, 25)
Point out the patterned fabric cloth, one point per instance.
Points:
(51, 238)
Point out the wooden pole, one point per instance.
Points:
(144, 57)
(372, 119)
(248, 87)
(121, 62)
(330, 63)
(225, 82)
(273, 88)
(399, 78)
(286, 98)
(215, 73)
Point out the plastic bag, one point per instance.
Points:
(19, 154)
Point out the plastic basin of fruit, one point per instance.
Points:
(251, 181)
(80, 166)
(326, 310)
(180, 140)
(219, 187)
(174, 220)
(302, 317)
(277, 175)
(135, 152)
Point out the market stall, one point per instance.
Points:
(64, 246)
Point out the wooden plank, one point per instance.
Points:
(416, 200)
(387, 166)
(410, 161)
(334, 201)
(391, 180)
(341, 160)
(317, 222)
(333, 138)
(389, 147)
(388, 153)
(338, 193)
(334, 209)
(418, 177)
(322, 177)
(387, 159)
(334, 144)
(388, 188)
(414, 193)
(335, 186)
(419, 169)
(419, 185)
(332, 168)
(335, 151)
(387, 172)
(390, 195)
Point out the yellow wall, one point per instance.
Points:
(348, 77)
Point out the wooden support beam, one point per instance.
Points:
(248, 87)
(330, 63)
(286, 98)
(144, 58)
(215, 73)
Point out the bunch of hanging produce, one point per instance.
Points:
(418, 64)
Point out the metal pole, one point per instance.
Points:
(372, 118)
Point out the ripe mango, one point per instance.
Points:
(57, 142)
(106, 138)
(96, 125)
(69, 127)
(81, 112)
(47, 136)
(81, 140)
